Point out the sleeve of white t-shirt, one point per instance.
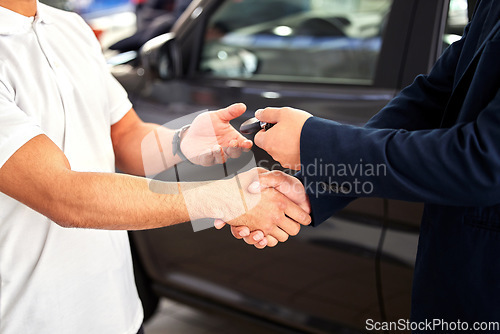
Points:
(118, 97)
(118, 101)
(16, 127)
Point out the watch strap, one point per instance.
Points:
(176, 142)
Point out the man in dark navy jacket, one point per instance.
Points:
(439, 143)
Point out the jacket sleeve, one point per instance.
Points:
(421, 105)
(457, 166)
(417, 107)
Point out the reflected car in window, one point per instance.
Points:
(332, 45)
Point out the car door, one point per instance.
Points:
(338, 59)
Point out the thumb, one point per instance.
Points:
(285, 184)
(269, 115)
(266, 180)
(231, 112)
(218, 223)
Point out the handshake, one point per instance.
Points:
(263, 207)
(278, 210)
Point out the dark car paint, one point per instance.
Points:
(358, 265)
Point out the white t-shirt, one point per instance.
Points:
(54, 81)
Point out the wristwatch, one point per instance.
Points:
(176, 142)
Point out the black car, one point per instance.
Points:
(338, 59)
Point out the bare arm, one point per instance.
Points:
(39, 176)
(211, 139)
(127, 135)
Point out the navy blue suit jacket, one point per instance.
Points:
(437, 142)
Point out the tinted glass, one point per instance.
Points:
(296, 40)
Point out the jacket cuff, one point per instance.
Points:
(324, 202)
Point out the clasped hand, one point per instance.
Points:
(282, 210)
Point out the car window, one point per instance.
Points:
(457, 19)
(295, 40)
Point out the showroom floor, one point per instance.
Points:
(175, 318)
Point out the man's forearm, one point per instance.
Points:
(39, 176)
(113, 202)
(132, 152)
(122, 202)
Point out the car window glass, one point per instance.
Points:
(456, 21)
(295, 40)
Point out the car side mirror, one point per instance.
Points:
(160, 57)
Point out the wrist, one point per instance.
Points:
(207, 199)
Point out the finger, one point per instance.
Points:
(288, 185)
(246, 145)
(269, 115)
(243, 143)
(240, 231)
(219, 224)
(231, 112)
(294, 212)
(206, 159)
(285, 184)
(254, 188)
(271, 241)
(263, 243)
(218, 154)
(273, 179)
(254, 238)
(289, 226)
(233, 152)
(261, 170)
(260, 139)
(279, 234)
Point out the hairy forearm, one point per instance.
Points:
(122, 202)
(39, 176)
(112, 201)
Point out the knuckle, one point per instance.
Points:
(261, 170)
(281, 205)
(268, 228)
(276, 219)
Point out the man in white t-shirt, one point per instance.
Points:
(65, 263)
